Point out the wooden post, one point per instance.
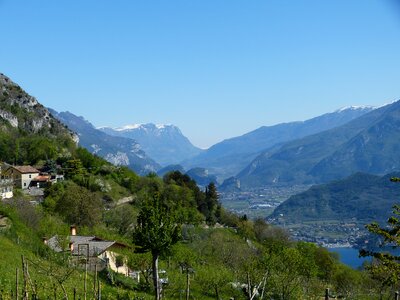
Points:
(95, 281)
(74, 293)
(25, 293)
(327, 294)
(396, 296)
(187, 283)
(16, 284)
(85, 281)
(99, 291)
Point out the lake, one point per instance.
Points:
(349, 256)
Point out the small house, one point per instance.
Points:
(22, 176)
(96, 252)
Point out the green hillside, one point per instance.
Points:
(212, 254)
(360, 198)
(28, 132)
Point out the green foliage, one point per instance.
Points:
(156, 229)
(121, 218)
(119, 261)
(386, 268)
(250, 257)
(73, 168)
(360, 197)
(74, 203)
(191, 196)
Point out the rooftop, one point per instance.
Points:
(80, 244)
(25, 169)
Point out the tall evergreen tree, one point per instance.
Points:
(212, 203)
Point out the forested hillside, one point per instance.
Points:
(168, 224)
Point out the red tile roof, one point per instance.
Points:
(41, 178)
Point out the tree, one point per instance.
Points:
(186, 259)
(211, 203)
(386, 263)
(156, 232)
(79, 206)
(214, 278)
(141, 262)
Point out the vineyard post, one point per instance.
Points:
(85, 281)
(95, 281)
(327, 294)
(99, 290)
(16, 284)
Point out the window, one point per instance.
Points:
(24, 183)
(30, 176)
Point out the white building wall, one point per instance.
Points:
(111, 256)
(26, 179)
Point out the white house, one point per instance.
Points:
(21, 175)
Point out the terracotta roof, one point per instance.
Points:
(42, 178)
(25, 169)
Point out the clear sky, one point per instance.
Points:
(215, 68)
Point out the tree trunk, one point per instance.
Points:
(249, 291)
(187, 284)
(216, 292)
(156, 281)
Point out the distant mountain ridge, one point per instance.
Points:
(367, 144)
(164, 143)
(360, 197)
(230, 156)
(117, 150)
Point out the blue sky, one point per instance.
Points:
(215, 68)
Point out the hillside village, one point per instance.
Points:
(30, 180)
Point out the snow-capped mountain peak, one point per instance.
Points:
(142, 126)
(356, 107)
(164, 142)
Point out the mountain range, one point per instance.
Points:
(361, 198)
(348, 161)
(365, 144)
(164, 143)
(231, 156)
(117, 150)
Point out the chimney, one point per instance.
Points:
(73, 230)
(71, 247)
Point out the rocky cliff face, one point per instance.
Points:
(19, 110)
(164, 143)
